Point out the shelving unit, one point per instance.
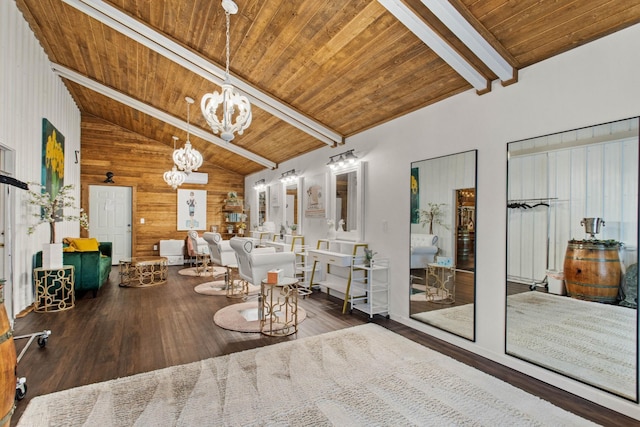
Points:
(232, 214)
(372, 288)
(333, 261)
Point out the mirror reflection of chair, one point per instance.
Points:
(221, 253)
(198, 252)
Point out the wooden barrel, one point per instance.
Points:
(465, 247)
(7, 368)
(592, 272)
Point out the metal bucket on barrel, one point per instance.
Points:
(592, 271)
(592, 226)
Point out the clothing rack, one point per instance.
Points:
(530, 203)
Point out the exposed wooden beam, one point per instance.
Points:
(175, 52)
(459, 25)
(436, 43)
(156, 113)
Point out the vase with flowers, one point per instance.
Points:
(368, 256)
(241, 227)
(52, 210)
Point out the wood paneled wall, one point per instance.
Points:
(140, 162)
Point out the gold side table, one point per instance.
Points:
(140, 272)
(444, 278)
(278, 311)
(54, 288)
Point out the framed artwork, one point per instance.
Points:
(52, 176)
(415, 195)
(192, 209)
(315, 197)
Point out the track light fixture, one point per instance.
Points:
(343, 159)
(289, 176)
(260, 185)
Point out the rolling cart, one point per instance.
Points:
(42, 338)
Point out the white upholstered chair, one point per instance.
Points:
(423, 249)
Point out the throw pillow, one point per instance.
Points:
(85, 245)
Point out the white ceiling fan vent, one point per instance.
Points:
(197, 178)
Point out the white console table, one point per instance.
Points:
(337, 257)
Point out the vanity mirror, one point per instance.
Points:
(293, 205)
(572, 235)
(262, 201)
(347, 190)
(442, 252)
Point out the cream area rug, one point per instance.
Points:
(243, 317)
(210, 271)
(592, 342)
(457, 320)
(218, 288)
(359, 376)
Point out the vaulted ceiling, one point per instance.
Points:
(316, 71)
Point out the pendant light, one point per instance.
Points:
(187, 159)
(174, 177)
(235, 109)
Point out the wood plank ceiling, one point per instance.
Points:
(344, 65)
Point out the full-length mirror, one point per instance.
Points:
(293, 205)
(572, 259)
(348, 201)
(442, 253)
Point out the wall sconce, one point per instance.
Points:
(260, 185)
(289, 176)
(343, 159)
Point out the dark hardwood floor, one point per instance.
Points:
(125, 331)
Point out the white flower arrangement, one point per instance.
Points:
(52, 209)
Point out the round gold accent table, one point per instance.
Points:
(278, 311)
(139, 272)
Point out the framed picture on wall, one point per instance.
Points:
(192, 210)
(52, 178)
(415, 195)
(315, 196)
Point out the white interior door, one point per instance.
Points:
(110, 218)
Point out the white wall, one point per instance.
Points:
(593, 84)
(29, 92)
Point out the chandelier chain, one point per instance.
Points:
(227, 46)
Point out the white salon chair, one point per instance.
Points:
(254, 263)
(221, 253)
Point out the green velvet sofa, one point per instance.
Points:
(92, 268)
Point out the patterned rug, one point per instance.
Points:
(359, 376)
(585, 340)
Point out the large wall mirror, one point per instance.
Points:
(572, 258)
(442, 253)
(347, 190)
(293, 205)
(262, 202)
